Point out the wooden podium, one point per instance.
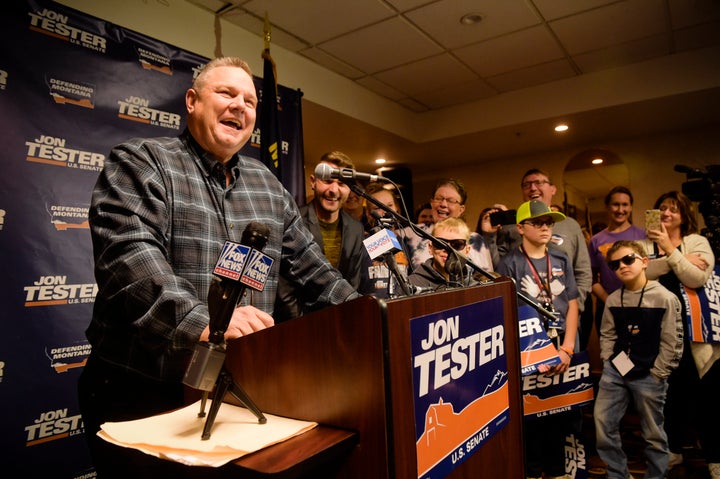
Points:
(349, 368)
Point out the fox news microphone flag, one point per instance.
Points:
(71, 87)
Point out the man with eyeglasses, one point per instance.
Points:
(448, 201)
(437, 272)
(566, 235)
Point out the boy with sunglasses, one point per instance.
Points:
(641, 341)
(545, 275)
(446, 269)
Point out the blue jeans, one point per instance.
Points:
(648, 396)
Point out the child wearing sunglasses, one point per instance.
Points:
(641, 342)
(545, 275)
(445, 268)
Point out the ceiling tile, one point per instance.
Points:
(442, 20)
(212, 5)
(413, 105)
(697, 37)
(535, 75)
(332, 63)
(511, 52)
(456, 94)
(686, 13)
(619, 55)
(320, 20)
(614, 24)
(256, 25)
(373, 84)
(405, 5)
(382, 46)
(430, 73)
(554, 9)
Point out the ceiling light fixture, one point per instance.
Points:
(471, 19)
(380, 161)
(597, 161)
(561, 127)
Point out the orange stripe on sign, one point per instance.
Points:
(695, 314)
(47, 439)
(46, 303)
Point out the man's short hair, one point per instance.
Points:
(199, 81)
(337, 158)
(454, 184)
(536, 171)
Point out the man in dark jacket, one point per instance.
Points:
(339, 235)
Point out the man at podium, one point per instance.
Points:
(161, 212)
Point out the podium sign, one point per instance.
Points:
(460, 383)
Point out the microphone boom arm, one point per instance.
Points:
(360, 191)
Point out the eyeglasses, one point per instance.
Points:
(440, 199)
(539, 223)
(456, 244)
(626, 260)
(526, 185)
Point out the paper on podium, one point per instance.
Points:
(177, 435)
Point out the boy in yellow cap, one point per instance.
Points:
(545, 275)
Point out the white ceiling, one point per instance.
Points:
(417, 53)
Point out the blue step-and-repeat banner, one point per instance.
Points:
(71, 87)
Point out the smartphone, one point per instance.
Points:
(503, 217)
(652, 220)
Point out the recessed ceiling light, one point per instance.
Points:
(561, 127)
(597, 161)
(380, 161)
(471, 19)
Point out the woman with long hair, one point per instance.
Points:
(684, 259)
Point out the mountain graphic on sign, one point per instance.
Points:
(445, 429)
(532, 404)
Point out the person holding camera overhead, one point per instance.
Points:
(684, 259)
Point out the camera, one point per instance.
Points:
(703, 186)
(503, 217)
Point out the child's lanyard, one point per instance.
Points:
(545, 287)
(552, 326)
(632, 326)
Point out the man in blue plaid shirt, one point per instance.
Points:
(161, 211)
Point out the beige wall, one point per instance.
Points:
(650, 161)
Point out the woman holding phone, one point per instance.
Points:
(684, 259)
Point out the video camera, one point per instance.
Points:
(703, 186)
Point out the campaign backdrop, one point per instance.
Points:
(71, 87)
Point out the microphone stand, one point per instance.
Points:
(360, 191)
(218, 302)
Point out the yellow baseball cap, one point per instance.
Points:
(535, 209)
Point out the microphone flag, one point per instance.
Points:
(381, 242)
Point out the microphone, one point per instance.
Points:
(326, 172)
(455, 267)
(240, 266)
(383, 242)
